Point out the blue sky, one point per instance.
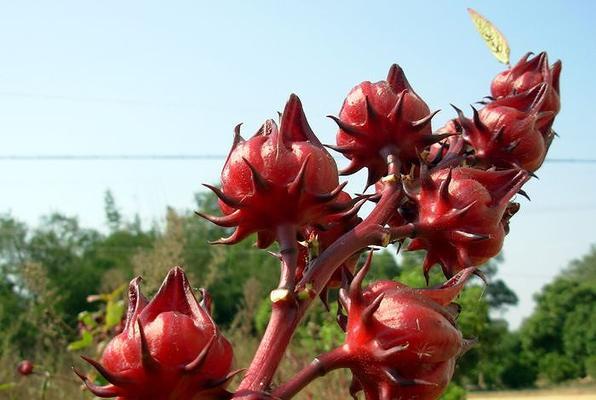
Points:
(153, 77)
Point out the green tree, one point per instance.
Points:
(560, 336)
(113, 216)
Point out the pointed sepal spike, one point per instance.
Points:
(99, 391)
(237, 137)
(239, 234)
(206, 302)
(368, 312)
(444, 186)
(395, 113)
(397, 79)
(344, 299)
(195, 365)
(297, 185)
(426, 182)
(356, 284)
(476, 118)
(416, 244)
(225, 221)
(229, 201)
(259, 182)
(524, 194)
(136, 302)
(437, 137)
(556, 74)
(339, 149)
(113, 378)
(268, 128)
(149, 362)
(448, 291)
(371, 178)
(371, 113)
(461, 213)
(423, 122)
(467, 345)
(427, 265)
(325, 197)
(386, 354)
(352, 168)
(294, 125)
(347, 128)
(324, 296)
(460, 113)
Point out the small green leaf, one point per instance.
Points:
(7, 386)
(85, 341)
(493, 38)
(114, 313)
(87, 319)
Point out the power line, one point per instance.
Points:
(107, 157)
(164, 157)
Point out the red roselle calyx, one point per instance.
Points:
(462, 215)
(25, 368)
(402, 342)
(170, 348)
(527, 74)
(278, 177)
(512, 132)
(382, 118)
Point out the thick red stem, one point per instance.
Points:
(283, 322)
(320, 366)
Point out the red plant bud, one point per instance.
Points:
(461, 214)
(275, 178)
(170, 348)
(25, 368)
(380, 118)
(402, 342)
(508, 133)
(527, 74)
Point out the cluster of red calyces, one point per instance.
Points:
(170, 348)
(514, 128)
(449, 193)
(402, 342)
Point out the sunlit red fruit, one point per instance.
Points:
(402, 342)
(170, 349)
(460, 220)
(526, 75)
(277, 177)
(382, 118)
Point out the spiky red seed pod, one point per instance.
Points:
(402, 342)
(277, 177)
(381, 118)
(527, 74)
(25, 368)
(509, 133)
(461, 212)
(170, 348)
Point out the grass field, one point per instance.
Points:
(552, 394)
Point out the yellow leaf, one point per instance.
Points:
(493, 38)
